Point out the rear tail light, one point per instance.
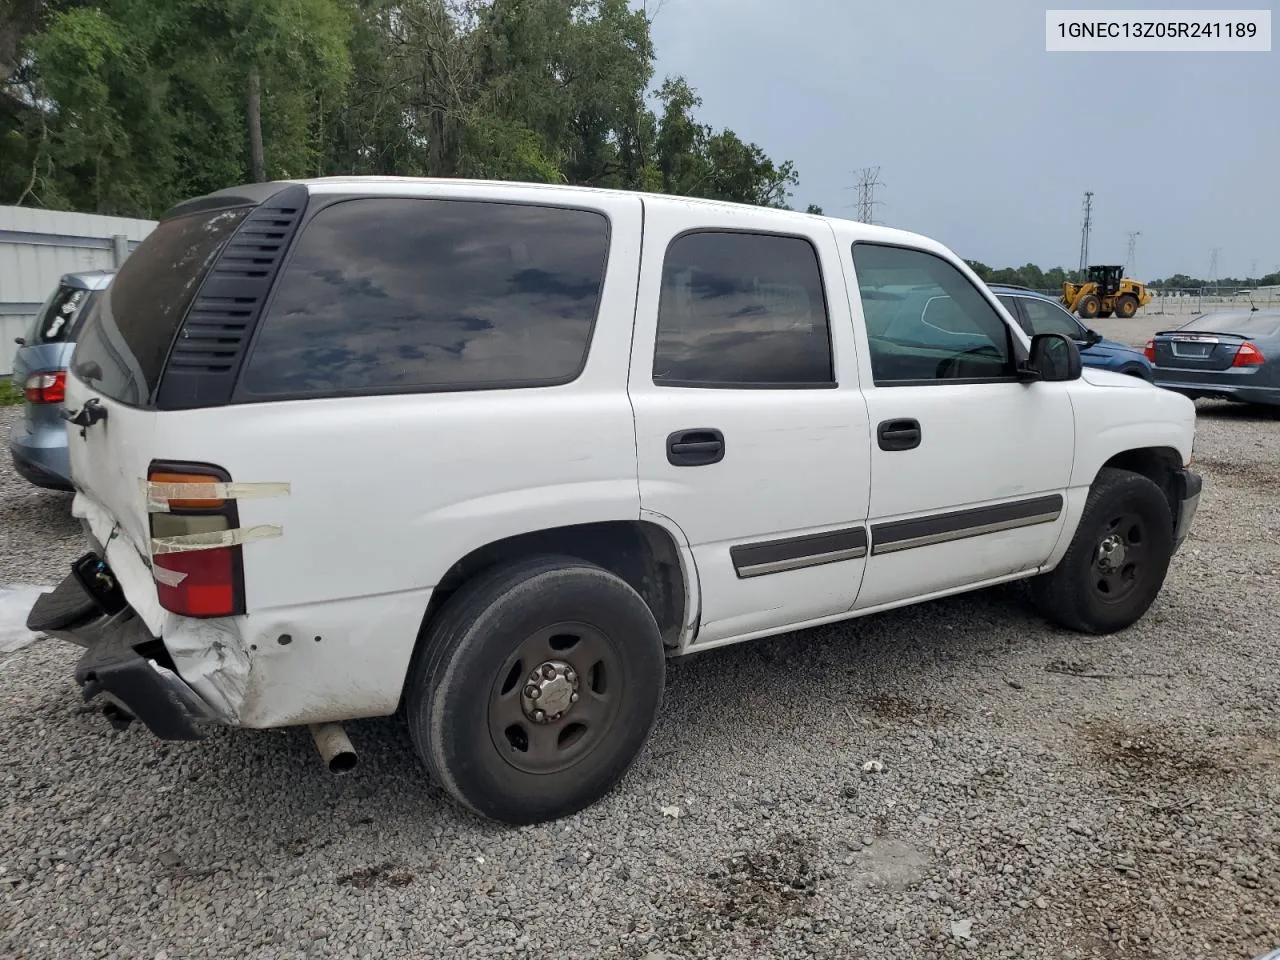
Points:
(46, 387)
(1248, 356)
(1149, 351)
(204, 582)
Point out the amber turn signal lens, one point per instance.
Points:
(189, 478)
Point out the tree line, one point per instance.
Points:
(1032, 276)
(125, 107)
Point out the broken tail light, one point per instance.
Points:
(46, 387)
(207, 581)
(1248, 356)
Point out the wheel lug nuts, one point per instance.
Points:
(570, 676)
(532, 692)
(539, 715)
(549, 672)
(573, 698)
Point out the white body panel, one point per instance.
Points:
(388, 493)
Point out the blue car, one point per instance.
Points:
(38, 441)
(1037, 313)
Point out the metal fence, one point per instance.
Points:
(39, 246)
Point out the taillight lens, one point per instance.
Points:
(206, 582)
(1248, 356)
(1149, 351)
(46, 387)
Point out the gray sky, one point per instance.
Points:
(987, 142)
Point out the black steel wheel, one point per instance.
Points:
(535, 688)
(1117, 561)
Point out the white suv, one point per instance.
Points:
(488, 453)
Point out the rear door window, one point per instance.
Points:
(385, 295)
(126, 336)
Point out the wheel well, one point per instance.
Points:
(642, 554)
(1157, 464)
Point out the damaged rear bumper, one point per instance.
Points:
(122, 663)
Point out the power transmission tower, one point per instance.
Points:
(1084, 231)
(868, 180)
(1253, 270)
(1213, 266)
(1130, 260)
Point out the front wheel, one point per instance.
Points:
(1118, 558)
(1126, 306)
(535, 689)
(1088, 307)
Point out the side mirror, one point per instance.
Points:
(1054, 358)
(1092, 336)
(20, 341)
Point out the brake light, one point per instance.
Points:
(1149, 351)
(207, 581)
(46, 387)
(1248, 356)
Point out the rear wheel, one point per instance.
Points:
(1126, 305)
(535, 689)
(1118, 558)
(1088, 306)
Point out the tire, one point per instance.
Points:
(1104, 314)
(1126, 306)
(470, 716)
(1088, 306)
(1071, 595)
(1136, 372)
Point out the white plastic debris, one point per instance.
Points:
(873, 766)
(15, 603)
(671, 812)
(962, 929)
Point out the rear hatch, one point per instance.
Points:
(121, 350)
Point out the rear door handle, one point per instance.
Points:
(898, 434)
(695, 448)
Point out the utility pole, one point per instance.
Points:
(1084, 231)
(1130, 260)
(868, 180)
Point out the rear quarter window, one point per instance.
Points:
(387, 295)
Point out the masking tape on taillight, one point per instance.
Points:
(168, 578)
(159, 494)
(213, 539)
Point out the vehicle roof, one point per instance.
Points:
(258, 192)
(1015, 291)
(87, 279)
(1253, 323)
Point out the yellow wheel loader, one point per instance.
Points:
(1106, 292)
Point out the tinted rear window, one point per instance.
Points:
(397, 295)
(1246, 324)
(126, 337)
(57, 318)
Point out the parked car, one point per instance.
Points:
(38, 439)
(1037, 313)
(1230, 355)
(488, 454)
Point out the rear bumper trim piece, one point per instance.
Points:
(113, 665)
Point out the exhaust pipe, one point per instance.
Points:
(335, 749)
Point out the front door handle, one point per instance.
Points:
(695, 448)
(898, 434)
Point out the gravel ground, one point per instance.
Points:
(1042, 795)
